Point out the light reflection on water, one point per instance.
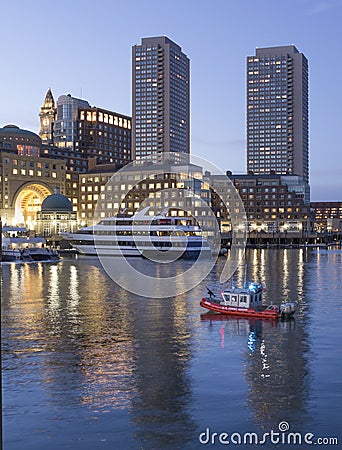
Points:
(87, 365)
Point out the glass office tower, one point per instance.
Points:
(65, 126)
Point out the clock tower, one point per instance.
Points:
(47, 117)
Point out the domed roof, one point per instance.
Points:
(56, 202)
(15, 130)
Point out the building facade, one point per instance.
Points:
(104, 135)
(277, 112)
(19, 142)
(80, 132)
(56, 215)
(179, 188)
(328, 215)
(273, 204)
(65, 126)
(161, 100)
(26, 178)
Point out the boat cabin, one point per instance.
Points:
(250, 297)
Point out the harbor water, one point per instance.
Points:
(87, 365)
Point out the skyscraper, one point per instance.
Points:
(161, 100)
(277, 112)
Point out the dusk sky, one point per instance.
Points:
(83, 48)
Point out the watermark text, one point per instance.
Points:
(282, 436)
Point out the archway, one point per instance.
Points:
(28, 202)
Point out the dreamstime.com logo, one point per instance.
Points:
(158, 194)
(282, 436)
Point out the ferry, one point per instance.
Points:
(141, 235)
(18, 244)
(247, 302)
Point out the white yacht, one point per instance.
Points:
(141, 235)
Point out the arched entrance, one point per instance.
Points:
(28, 202)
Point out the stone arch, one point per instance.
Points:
(28, 200)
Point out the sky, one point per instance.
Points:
(83, 48)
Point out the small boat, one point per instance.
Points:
(19, 245)
(247, 302)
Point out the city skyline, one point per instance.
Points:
(91, 58)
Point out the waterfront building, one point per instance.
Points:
(75, 163)
(161, 100)
(47, 118)
(91, 187)
(274, 204)
(179, 188)
(56, 215)
(26, 178)
(328, 215)
(277, 112)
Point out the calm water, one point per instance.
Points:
(88, 366)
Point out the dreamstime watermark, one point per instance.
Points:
(155, 191)
(282, 436)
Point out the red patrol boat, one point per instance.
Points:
(247, 302)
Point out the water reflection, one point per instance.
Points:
(163, 352)
(275, 367)
(74, 291)
(77, 346)
(277, 371)
(278, 374)
(276, 353)
(53, 299)
(102, 348)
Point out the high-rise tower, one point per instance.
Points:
(277, 112)
(47, 117)
(161, 100)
